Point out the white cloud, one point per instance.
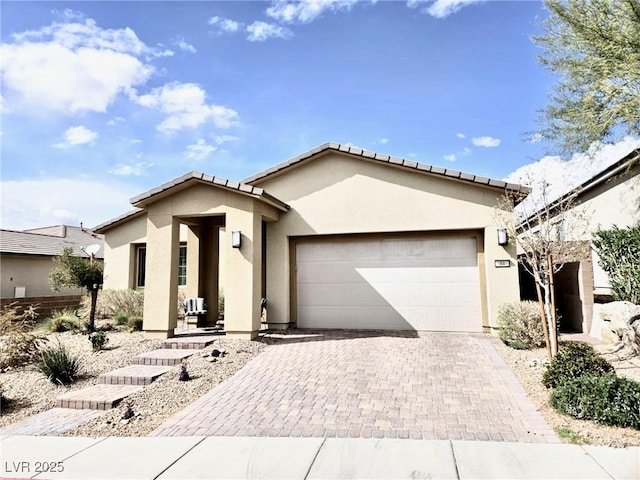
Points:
(460, 135)
(79, 135)
(184, 46)
(452, 157)
(137, 169)
(62, 200)
(85, 67)
(225, 24)
(563, 175)
(199, 150)
(261, 31)
(220, 139)
(305, 11)
(441, 8)
(184, 105)
(382, 141)
(487, 142)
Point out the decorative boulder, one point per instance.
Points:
(621, 326)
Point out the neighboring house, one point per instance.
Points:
(611, 197)
(336, 237)
(26, 259)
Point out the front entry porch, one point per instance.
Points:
(213, 213)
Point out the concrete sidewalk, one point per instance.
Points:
(306, 458)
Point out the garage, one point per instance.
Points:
(415, 282)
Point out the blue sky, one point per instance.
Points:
(104, 100)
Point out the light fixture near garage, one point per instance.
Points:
(503, 236)
(236, 238)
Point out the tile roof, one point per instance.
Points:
(386, 159)
(131, 214)
(32, 243)
(144, 198)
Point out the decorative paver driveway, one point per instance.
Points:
(370, 384)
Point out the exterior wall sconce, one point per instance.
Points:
(236, 238)
(503, 236)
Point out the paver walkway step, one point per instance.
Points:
(96, 397)
(189, 342)
(133, 375)
(164, 356)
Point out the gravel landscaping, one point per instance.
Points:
(31, 392)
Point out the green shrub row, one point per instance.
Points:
(586, 387)
(574, 360)
(605, 399)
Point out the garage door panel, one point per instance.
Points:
(417, 283)
(342, 295)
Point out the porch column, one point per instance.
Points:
(193, 265)
(243, 275)
(208, 289)
(161, 279)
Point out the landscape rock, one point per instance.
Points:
(620, 326)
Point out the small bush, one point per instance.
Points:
(520, 326)
(62, 321)
(98, 340)
(574, 360)
(135, 324)
(121, 318)
(58, 363)
(17, 342)
(606, 399)
(112, 302)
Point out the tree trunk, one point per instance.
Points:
(91, 326)
(553, 333)
(552, 290)
(543, 317)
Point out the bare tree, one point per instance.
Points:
(543, 230)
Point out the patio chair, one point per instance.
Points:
(194, 307)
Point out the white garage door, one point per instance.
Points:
(412, 283)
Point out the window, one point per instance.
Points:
(182, 266)
(141, 265)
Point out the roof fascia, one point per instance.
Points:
(519, 190)
(145, 199)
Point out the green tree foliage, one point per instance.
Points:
(71, 271)
(594, 48)
(619, 252)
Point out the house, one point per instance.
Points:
(26, 259)
(336, 237)
(611, 197)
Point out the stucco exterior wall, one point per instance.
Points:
(119, 252)
(31, 272)
(337, 194)
(614, 202)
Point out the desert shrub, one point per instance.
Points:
(606, 399)
(58, 363)
(112, 302)
(135, 324)
(519, 325)
(98, 340)
(574, 360)
(62, 321)
(619, 253)
(121, 318)
(17, 342)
